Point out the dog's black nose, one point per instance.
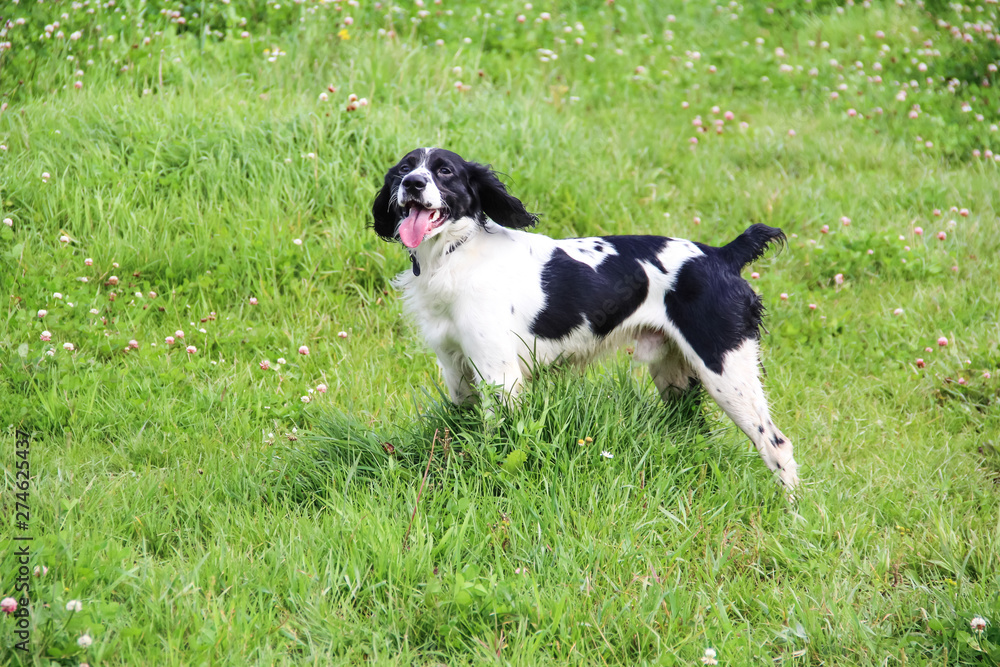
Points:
(415, 182)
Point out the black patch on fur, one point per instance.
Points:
(714, 308)
(603, 297)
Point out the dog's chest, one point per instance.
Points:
(439, 295)
(489, 283)
(439, 307)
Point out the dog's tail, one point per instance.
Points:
(750, 245)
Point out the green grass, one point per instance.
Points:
(204, 514)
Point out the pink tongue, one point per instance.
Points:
(413, 229)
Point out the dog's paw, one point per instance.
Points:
(789, 477)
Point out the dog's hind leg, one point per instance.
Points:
(738, 391)
(677, 383)
(671, 373)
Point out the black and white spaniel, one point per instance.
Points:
(490, 298)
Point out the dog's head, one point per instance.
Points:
(431, 187)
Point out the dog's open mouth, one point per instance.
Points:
(418, 223)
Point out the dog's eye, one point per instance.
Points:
(444, 171)
(405, 169)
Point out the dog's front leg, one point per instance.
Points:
(457, 376)
(495, 370)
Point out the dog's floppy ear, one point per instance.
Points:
(499, 205)
(384, 210)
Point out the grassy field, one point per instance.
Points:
(185, 192)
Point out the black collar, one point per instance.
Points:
(454, 246)
(458, 244)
